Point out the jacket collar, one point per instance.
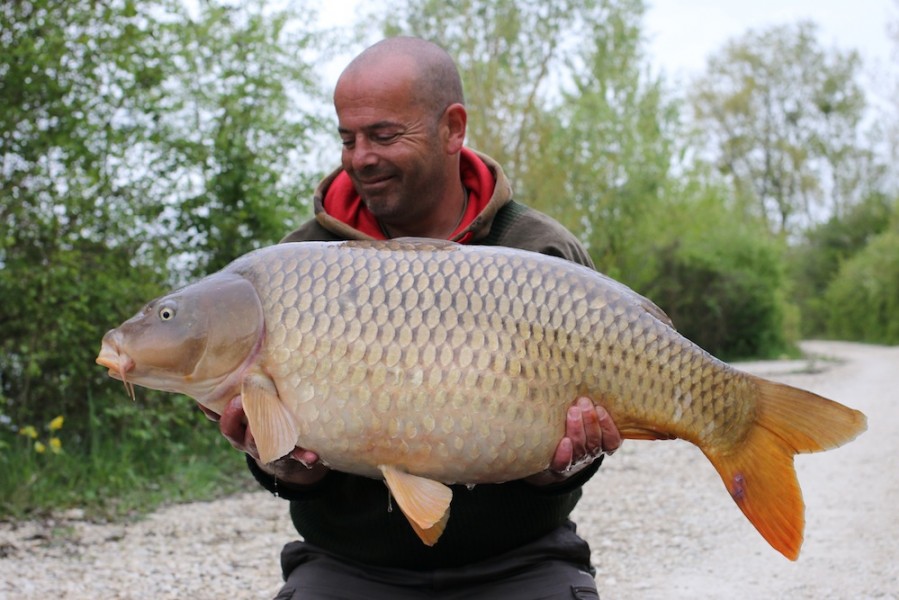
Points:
(339, 209)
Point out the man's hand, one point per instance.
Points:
(589, 432)
(300, 467)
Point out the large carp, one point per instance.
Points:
(426, 362)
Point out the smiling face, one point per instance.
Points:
(399, 149)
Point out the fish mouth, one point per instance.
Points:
(118, 363)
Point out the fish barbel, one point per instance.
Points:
(426, 363)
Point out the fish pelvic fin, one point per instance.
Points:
(272, 424)
(424, 502)
(759, 472)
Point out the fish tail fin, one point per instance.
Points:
(759, 473)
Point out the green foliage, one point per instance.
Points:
(512, 56)
(76, 248)
(863, 299)
(725, 297)
(236, 133)
(559, 93)
(136, 146)
(721, 278)
(605, 170)
(817, 259)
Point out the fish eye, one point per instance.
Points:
(166, 313)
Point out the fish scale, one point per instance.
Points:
(427, 362)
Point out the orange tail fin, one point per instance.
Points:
(759, 472)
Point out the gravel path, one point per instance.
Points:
(657, 516)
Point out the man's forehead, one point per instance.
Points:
(356, 125)
(396, 74)
(369, 101)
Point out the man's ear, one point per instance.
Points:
(455, 120)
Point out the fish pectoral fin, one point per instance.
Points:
(272, 424)
(425, 502)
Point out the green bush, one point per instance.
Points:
(717, 272)
(863, 299)
(724, 291)
(816, 260)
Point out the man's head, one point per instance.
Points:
(402, 123)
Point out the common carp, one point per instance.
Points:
(427, 363)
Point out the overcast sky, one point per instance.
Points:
(684, 32)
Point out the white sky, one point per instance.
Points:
(684, 32)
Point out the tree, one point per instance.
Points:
(511, 54)
(76, 244)
(782, 118)
(131, 140)
(604, 170)
(236, 137)
(720, 276)
(559, 94)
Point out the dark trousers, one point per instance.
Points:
(533, 572)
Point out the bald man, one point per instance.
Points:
(406, 172)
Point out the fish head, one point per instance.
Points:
(194, 341)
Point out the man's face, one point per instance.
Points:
(391, 145)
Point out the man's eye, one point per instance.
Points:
(347, 143)
(386, 138)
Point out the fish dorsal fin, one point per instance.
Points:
(272, 424)
(405, 244)
(425, 502)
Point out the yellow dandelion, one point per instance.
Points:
(55, 445)
(56, 424)
(28, 431)
(39, 447)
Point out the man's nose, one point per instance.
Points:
(363, 155)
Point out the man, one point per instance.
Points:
(405, 172)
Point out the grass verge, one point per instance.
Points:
(118, 476)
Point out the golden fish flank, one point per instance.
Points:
(425, 362)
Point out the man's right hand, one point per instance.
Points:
(300, 467)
